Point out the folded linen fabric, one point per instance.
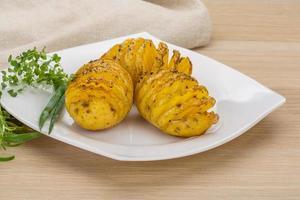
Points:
(59, 24)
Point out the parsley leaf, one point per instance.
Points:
(32, 68)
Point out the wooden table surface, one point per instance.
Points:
(259, 38)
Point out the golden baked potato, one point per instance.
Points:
(100, 95)
(175, 103)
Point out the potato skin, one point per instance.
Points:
(175, 103)
(100, 95)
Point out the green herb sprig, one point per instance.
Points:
(35, 68)
(13, 133)
(32, 68)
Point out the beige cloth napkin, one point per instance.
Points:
(58, 24)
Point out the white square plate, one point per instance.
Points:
(241, 103)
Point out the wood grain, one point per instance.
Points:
(260, 39)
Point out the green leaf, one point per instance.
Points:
(9, 58)
(21, 138)
(3, 85)
(43, 55)
(6, 158)
(13, 144)
(55, 113)
(44, 66)
(14, 63)
(51, 105)
(56, 58)
(12, 93)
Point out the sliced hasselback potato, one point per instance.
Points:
(175, 103)
(100, 95)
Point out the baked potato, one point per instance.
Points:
(100, 95)
(175, 103)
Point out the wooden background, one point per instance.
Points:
(260, 39)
